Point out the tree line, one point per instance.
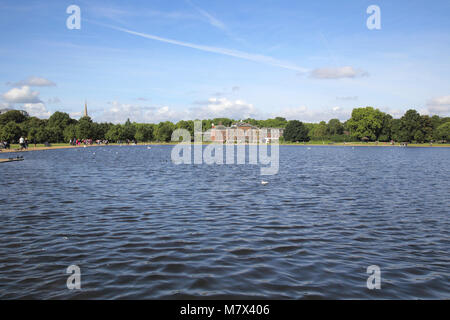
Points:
(365, 124)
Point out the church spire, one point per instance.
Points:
(85, 108)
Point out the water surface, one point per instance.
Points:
(141, 227)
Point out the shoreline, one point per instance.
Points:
(340, 144)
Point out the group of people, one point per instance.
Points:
(76, 142)
(23, 142)
(5, 145)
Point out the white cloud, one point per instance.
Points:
(215, 108)
(208, 109)
(4, 105)
(75, 115)
(222, 107)
(120, 112)
(34, 82)
(304, 114)
(337, 73)
(439, 106)
(36, 110)
(21, 95)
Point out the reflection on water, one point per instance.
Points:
(141, 227)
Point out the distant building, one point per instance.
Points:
(250, 133)
(2, 111)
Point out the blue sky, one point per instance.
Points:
(152, 61)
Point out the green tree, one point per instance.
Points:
(443, 132)
(224, 121)
(189, 126)
(32, 134)
(386, 128)
(85, 129)
(59, 120)
(296, 131)
(116, 133)
(144, 132)
(129, 130)
(335, 127)
(55, 134)
(320, 131)
(70, 132)
(366, 122)
(42, 135)
(12, 116)
(11, 132)
(164, 131)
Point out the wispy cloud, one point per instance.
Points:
(338, 73)
(215, 22)
(439, 105)
(211, 19)
(347, 98)
(33, 82)
(227, 52)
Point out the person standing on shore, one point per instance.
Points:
(22, 143)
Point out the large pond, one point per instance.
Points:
(139, 226)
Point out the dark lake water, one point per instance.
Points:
(141, 227)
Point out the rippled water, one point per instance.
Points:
(139, 226)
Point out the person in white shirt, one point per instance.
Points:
(22, 143)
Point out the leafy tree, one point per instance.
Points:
(144, 132)
(386, 129)
(129, 130)
(206, 124)
(426, 129)
(277, 122)
(85, 129)
(11, 132)
(251, 121)
(101, 129)
(366, 122)
(296, 131)
(320, 130)
(224, 121)
(55, 134)
(189, 126)
(164, 131)
(70, 132)
(410, 124)
(335, 127)
(60, 120)
(443, 132)
(116, 133)
(42, 135)
(12, 116)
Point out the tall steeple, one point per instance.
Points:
(85, 108)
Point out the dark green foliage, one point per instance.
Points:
(296, 131)
(12, 116)
(164, 131)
